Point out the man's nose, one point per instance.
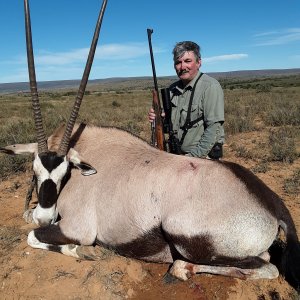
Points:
(183, 66)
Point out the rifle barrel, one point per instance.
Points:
(157, 135)
(150, 31)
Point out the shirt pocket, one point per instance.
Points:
(194, 114)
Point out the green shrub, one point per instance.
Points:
(287, 113)
(241, 151)
(263, 88)
(13, 164)
(283, 146)
(17, 132)
(292, 185)
(239, 115)
(235, 125)
(262, 167)
(115, 104)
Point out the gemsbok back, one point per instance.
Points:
(200, 215)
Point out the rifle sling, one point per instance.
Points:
(188, 123)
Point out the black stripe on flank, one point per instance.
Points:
(52, 234)
(200, 250)
(151, 243)
(265, 196)
(197, 249)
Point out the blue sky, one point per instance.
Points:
(233, 35)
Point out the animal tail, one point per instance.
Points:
(290, 264)
(288, 252)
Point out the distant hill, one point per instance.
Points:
(6, 88)
(256, 73)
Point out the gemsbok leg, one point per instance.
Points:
(184, 270)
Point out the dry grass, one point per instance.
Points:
(269, 117)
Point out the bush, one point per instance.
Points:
(235, 125)
(262, 167)
(115, 104)
(239, 115)
(287, 113)
(283, 146)
(292, 185)
(13, 164)
(263, 88)
(17, 132)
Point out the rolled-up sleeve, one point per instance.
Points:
(213, 104)
(213, 117)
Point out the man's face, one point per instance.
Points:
(187, 67)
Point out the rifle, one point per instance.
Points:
(157, 134)
(173, 143)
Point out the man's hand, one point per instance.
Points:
(151, 115)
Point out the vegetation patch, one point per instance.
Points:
(252, 106)
(292, 184)
(282, 145)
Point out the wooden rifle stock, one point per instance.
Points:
(157, 133)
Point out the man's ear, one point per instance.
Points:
(31, 148)
(79, 163)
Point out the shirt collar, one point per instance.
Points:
(179, 86)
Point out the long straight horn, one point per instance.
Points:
(41, 137)
(63, 148)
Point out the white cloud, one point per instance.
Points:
(280, 37)
(104, 52)
(70, 64)
(225, 57)
(110, 59)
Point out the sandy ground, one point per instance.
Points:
(28, 273)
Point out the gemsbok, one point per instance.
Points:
(198, 214)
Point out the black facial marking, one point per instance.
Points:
(47, 194)
(52, 234)
(50, 160)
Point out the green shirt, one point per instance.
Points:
(208, 103)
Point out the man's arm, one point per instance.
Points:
(213, 105)
(210, 136)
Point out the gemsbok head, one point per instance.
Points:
(52, 168)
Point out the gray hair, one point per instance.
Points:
(182, 47)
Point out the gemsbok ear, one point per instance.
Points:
(79, 163)
(31, 148)
(86, 169)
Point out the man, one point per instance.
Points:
(203, 135)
